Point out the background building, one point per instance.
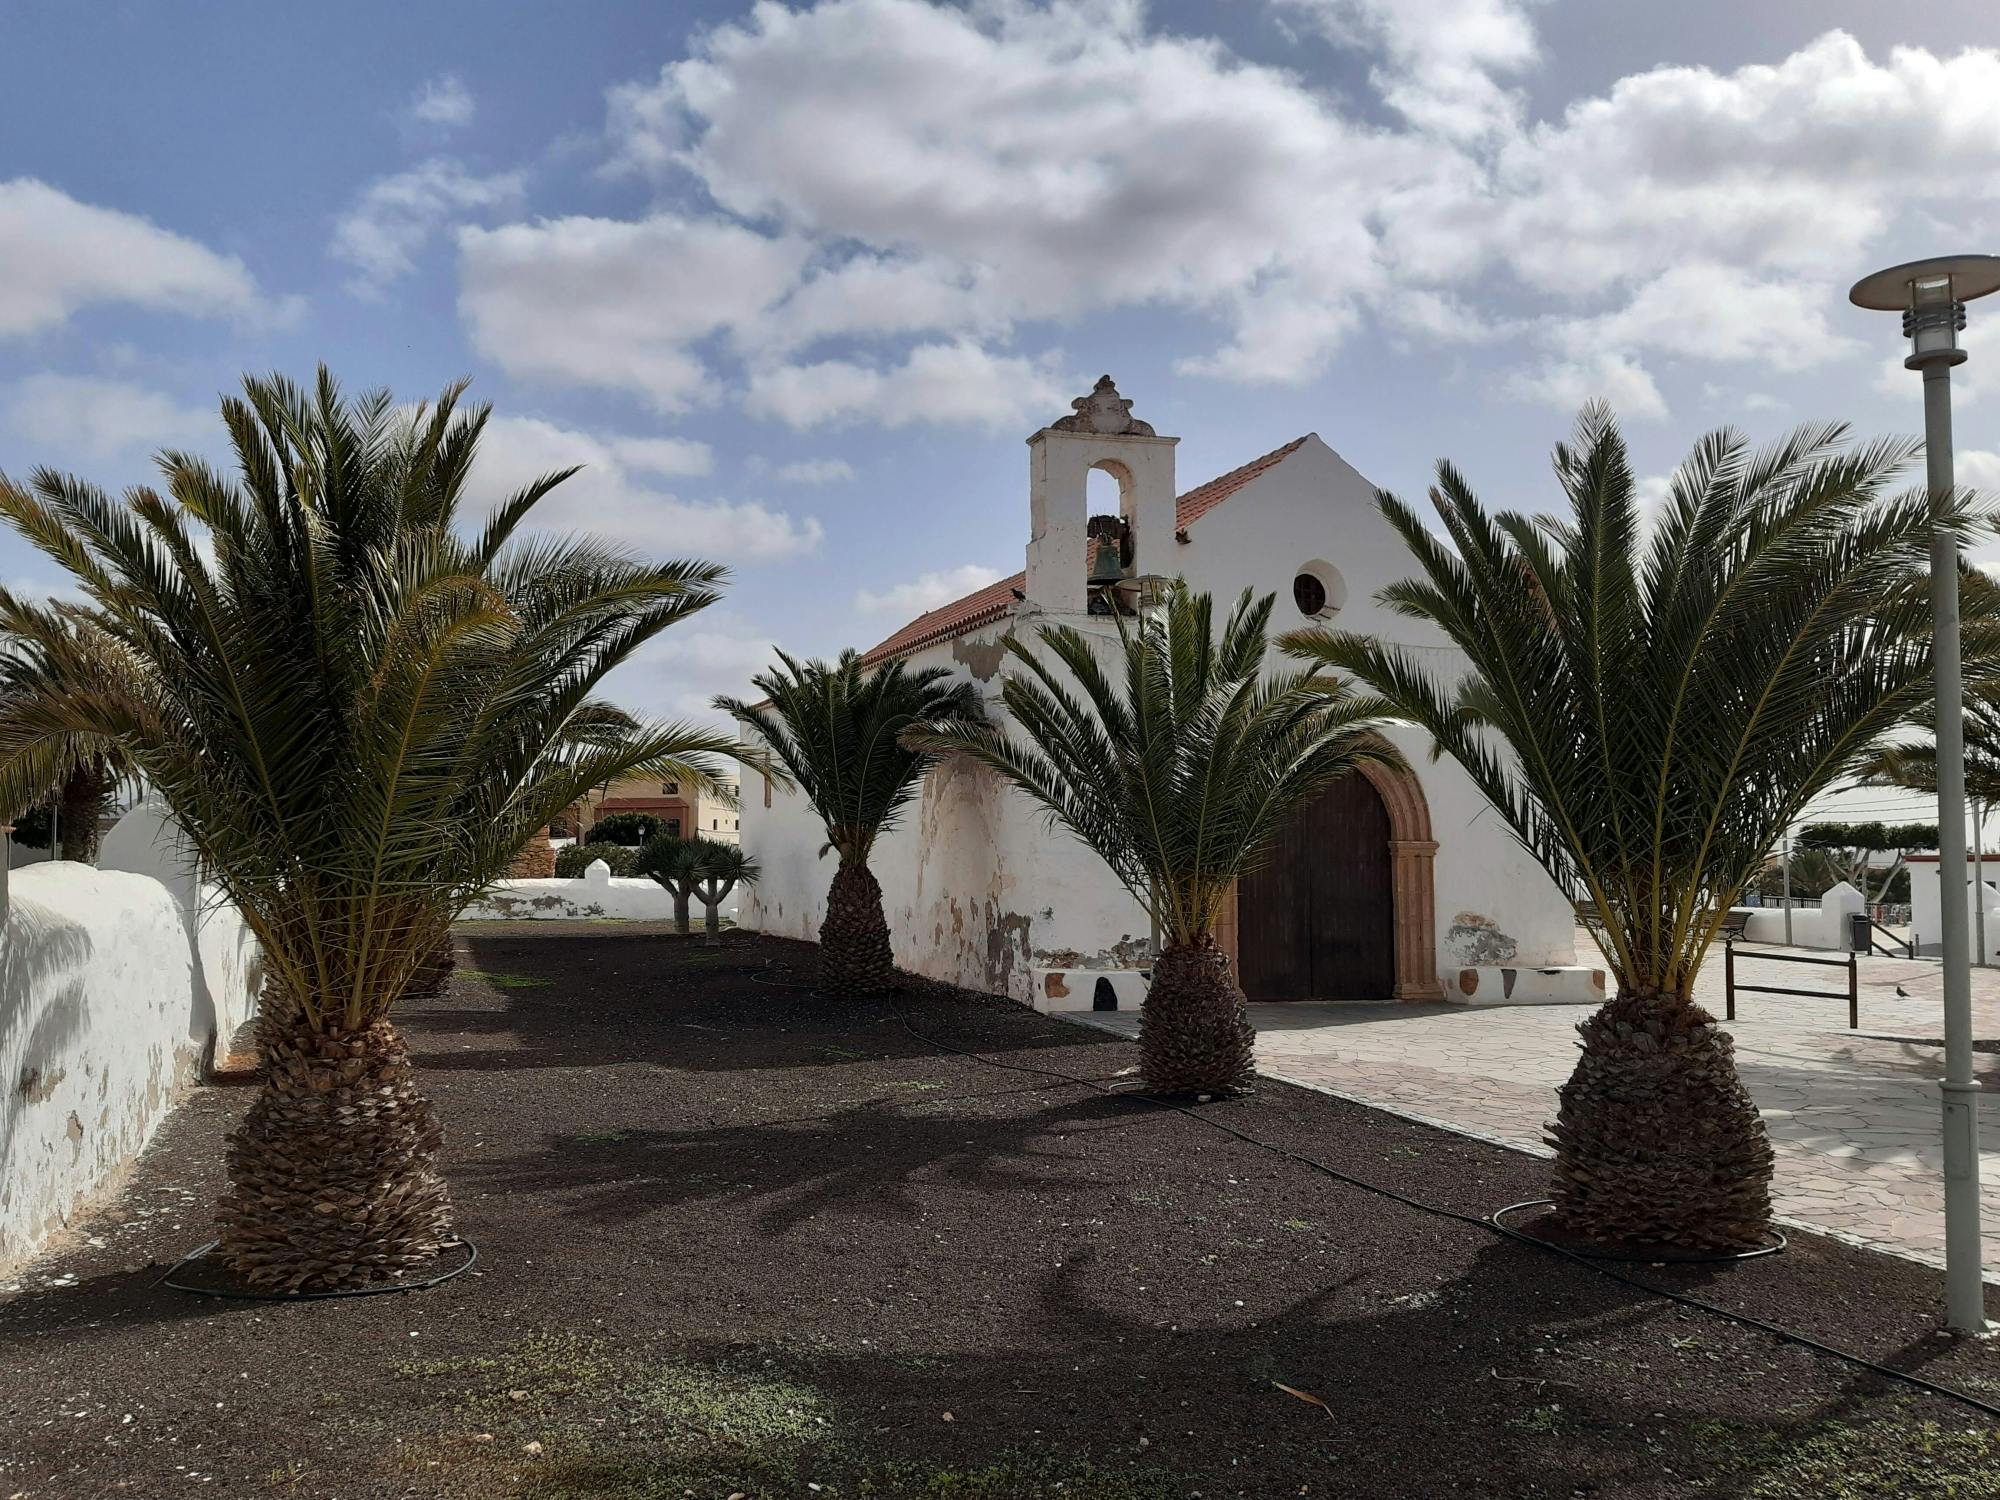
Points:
(685, 810)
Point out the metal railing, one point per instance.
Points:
(1731, 989)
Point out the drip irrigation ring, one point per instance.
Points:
(471, 1259)
(1648, 1257)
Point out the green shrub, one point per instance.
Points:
(632, 828)
(571, 861)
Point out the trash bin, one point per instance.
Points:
(1859, 939)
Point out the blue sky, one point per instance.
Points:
(796, 282)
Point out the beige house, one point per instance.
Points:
(683, 809)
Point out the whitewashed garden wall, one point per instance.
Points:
(116, 983)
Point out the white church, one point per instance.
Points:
(1393, 885)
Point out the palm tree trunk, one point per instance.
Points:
(711, 931)
(333, 1179)
(433, 975)
(82, 812)
(1657, 1141)
(682, 923)
(1194, 1036)
(854, 954)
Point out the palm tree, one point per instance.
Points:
(358, 706)
(85, 773)
(836, 729)
(1180, 773)
(1649, 713)
(719, 870)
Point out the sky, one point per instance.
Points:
(795, 282)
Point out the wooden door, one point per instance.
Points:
(1317, 922)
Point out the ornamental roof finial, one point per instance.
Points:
(1105, 413)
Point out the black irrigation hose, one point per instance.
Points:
(471, 1260)
(1648, 1257)
(1491, 1224)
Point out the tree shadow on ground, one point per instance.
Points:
(700, 1010)
(864, 1159)
(108, 1303)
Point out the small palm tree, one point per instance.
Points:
(837, 730)
(1181, 773)
(358, 710)
(720, 869)
(1649, 714)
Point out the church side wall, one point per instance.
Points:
(977, 888)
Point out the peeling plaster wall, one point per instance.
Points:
(114, 987)
(976, 887)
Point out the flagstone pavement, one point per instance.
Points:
(1853, 1115)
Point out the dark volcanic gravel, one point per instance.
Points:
(740, 1240)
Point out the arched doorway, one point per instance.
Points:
(1344, 908)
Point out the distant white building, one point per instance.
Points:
(1392, 885)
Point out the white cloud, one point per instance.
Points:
(443, 101)
(1979, 468)
(97, 418)
(816, 471)
(1568, 384)
(1012, 162)
(671, 458)
(606, 500)
(896, 178)
(395, 217)
(1439, 57)
(943, 383)
(620, 305)
(678, 672)
(60, 255)
(926, 593)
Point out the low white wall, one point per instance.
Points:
(113, 991)
(597, 896)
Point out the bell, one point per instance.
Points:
(1105, 565)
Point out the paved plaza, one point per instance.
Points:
(1853, 1115)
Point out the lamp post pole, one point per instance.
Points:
(1931, 295)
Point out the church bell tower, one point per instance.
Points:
(1067, 547)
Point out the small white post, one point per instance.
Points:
(1979, 882)
(1785, 860)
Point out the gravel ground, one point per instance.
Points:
(739, 1240)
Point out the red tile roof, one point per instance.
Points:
(982, 606)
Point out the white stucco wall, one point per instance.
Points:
(1926, 919)
(114, 988)
(597, 896)
(978, 890)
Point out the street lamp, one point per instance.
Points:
(1931, 295)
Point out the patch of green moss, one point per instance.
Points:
(1880, 1459)
(533, 1373)
(734, 1409)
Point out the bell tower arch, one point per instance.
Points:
(1100, 433)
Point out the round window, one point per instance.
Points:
(1309, 594)
(1318, 590)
